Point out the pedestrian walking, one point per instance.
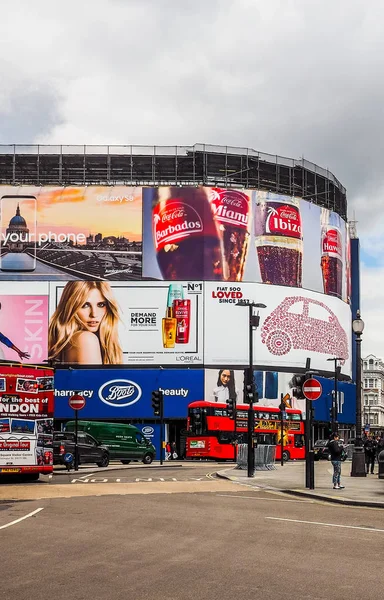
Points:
(168, 451)
(336, 450)
(370, 447)
(173, 451)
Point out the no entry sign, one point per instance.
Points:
(76, 402)
(312, 389)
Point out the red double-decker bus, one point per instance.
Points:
(212, 434)
(26, 420)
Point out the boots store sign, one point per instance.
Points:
(122, 393)
(295, 324)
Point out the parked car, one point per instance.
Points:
(321, 451)
(124, 442)
(89, 449)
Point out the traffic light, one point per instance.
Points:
(231, 408)
(331, 414)
(157, 402)
(296, 384)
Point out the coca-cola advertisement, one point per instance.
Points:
(217, 234)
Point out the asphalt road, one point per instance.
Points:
(141, 473)
(240, 543)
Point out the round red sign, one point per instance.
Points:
(312, 389)
(76, 402)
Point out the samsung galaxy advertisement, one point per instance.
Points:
(56, 233)
(139, 323)
(126, 394)
(295, 324)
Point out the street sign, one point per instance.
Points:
(76, 402)
(312, 389)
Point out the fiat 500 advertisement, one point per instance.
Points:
(294, 325)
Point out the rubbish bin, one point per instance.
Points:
(380, 460)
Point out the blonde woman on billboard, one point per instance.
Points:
(83, 328)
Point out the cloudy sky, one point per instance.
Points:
(289, 77)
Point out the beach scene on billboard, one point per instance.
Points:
(293, 326)
(217, 234)
(70, 233)
(23, 326)
(97, 322)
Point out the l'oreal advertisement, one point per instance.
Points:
(62, 233)
(119, 323)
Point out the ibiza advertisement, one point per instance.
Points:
(216, 234)
(294, 325)
(142, 323)
(24, 322)
(64, 233)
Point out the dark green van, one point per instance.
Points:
(125, 442)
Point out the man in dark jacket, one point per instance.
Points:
(336, 451)
(370, 447)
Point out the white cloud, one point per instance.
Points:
(291, 77)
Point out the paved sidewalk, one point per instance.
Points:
(359, 491)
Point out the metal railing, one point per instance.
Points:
(265, 456)
(200, 164)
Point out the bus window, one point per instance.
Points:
(299, 440)
(197, 419)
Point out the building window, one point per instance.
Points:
(375, 419)
(370, 383)
(365, 366)
(371, 364)
(375, 383)
(365, 399)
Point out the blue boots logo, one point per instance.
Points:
(120, 392)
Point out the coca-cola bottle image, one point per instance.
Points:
(185, 234)
(279, 240)
(231, 211)
(331, 254)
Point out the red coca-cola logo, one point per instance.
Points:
(332, 242)
(230, 207)
(174, 221)
(284, 220)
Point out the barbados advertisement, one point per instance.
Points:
(56, 233)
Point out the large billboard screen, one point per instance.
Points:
(216, 234)
(142, 323)
(294, 326)
(61, 233)
(126, 394)
(24, 321)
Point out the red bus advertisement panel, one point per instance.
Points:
(26, 419)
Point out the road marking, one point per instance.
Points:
(327, 524)
(22, 518)
(267, 499)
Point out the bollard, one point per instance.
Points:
(380, 460)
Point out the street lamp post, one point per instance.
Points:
(358, 461)
(250, 394)
(334, 412)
